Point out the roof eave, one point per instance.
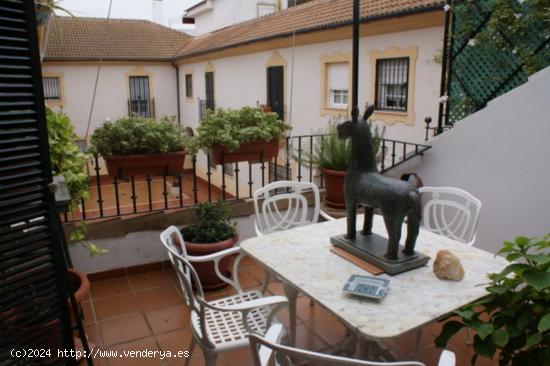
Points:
(315, 29)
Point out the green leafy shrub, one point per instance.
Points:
(232, 127)
(331, 152)
(137, 135)
(66, 158)
(515, 317)
(212, 224)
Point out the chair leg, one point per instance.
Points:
(267, 278)
(191, 348)
(417, 342)
(210, 358)
(469, 338)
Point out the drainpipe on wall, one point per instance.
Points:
(177, 92)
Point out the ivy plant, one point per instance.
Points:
(232, 127)
(67, 160)
(212, 223)
(513, 321)
(331, 152)
(137, 135)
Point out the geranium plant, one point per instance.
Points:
(212, 223)
(137, 135)
(232, 127)
(513, 320)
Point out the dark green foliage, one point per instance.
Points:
(137, 135)
(331, 152)
(232, 127)
(515, 317)
(212, 224)
(65, 156)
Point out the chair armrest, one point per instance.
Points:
(447, 358)
(326, 216)
(252, 304)
(214, 256)
(272, 335)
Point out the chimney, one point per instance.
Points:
(158, 12)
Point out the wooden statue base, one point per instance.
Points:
(372, 248)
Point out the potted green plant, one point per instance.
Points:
(246, 134)
(136, 145)
(211, 231)
(513, 320)
(332, 155)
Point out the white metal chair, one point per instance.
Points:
(451, 212)
(285, 206)
(223, 324)
(265, 349)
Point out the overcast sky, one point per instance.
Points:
(132, 9)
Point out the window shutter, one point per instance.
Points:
(338, 76)
(33, 288)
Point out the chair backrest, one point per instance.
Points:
(172, 240)
(451, 212)
(263, 351)
(284, 206)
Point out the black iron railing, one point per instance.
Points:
(203, 181)
(141, 107)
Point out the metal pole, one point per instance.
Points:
(355, 71)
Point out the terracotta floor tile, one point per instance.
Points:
(148, 280)
(145, 344)
(158, 298)
(172, 276)
(308, 312)
(110, 287)
(247, 280)
(109, 307)
(177, 340)
(240, 357)
(93, 334)
(308, 340)
(87, 313)
(329, 329)
(248, 262)
(124, 329)
(258, 272)
(276, 288)
(169, 318)
(218, 294)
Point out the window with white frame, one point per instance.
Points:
(52, 88)
(265, 9)
(392, 84)
(337, 83)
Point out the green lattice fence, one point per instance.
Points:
(495, 46)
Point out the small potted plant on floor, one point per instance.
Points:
(246, 134)
(513, 321)
(332, 156)
(136, 145)
(210, 232)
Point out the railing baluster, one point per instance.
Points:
(223, 179)
(117, 198)
(393, 153)
(149, 196)
(310, 160)
(208, 174)
(404, 150)
(322, 173)
(288, 152)
(83, 211)
(299, 159)
(262, 167)
(98, 182)
(165, 192)
(134, 203)
(237, 180)
(180, 188)
(195, 190)
(383, 164)
(250, 179)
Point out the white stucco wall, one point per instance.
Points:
(500, 155)
(224, 13)
(112, 90)
(241, 81)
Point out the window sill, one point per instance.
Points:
(393, 117)
(189, 99)
(334, 111)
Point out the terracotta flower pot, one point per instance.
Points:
(334, 183)
(207, 274)
(141, 164)
(253, 151)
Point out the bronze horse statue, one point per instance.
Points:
(364, 185)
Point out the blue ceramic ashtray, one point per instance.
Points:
(367, 286)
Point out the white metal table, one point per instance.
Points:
(301, 258)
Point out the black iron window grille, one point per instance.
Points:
(392, 84)
(140, 103)
(189, 85)
(52, 89)
(209, 86)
